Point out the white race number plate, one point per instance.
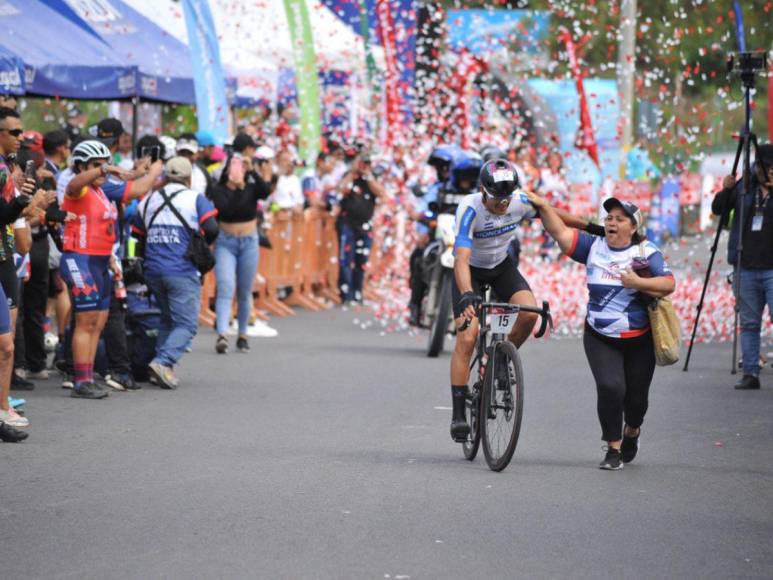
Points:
(502, 322)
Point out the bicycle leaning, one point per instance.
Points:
(494, 405)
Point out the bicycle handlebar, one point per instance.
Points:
(544, 312)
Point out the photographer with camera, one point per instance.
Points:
(359, 193)
(756, 261)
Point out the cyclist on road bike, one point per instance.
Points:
(485, 224)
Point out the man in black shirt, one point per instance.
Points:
(359, 191)
(756, 267)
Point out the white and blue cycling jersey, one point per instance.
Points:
(486, 233)
(613, 310)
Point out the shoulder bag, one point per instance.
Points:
(666, 331)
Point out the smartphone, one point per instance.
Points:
(153, 152)
(30, 171)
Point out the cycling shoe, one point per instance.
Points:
(460, 430)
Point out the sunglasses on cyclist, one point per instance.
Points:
(14, 132)
(504, 202)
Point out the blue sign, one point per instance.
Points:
(486, 30)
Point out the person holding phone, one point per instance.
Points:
(12, 208)
(359, 191)
(88, 264)
(236, 197)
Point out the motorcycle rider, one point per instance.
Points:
(485, 223)
(440, 159)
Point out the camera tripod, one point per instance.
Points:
(746, 140)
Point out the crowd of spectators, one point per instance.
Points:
(99, 232)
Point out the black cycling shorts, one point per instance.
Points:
(504, 279)
(10, 282)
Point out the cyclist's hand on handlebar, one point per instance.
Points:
(469, 303)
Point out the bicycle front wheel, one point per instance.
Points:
(502, 406)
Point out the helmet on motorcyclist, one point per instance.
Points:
(465, 171)
(441, 159)
(498, 178)
(489, 152)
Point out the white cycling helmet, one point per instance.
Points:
(86, 151)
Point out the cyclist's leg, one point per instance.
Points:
(460, 365)
(511, 283)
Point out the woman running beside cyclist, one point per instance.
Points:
(625, 273)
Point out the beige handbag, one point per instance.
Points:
(666, 331)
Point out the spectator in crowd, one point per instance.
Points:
(8, 101)
(314, 183)
(166, 219)
(123, 157)
(88, 258)
(288, 194)
(13, 208)
(207, 147)
(236, 251)
(188, 147)
(56, 146)
(138, 182)
(552, 185)
(756, 265)
(244, 146)
(76, 121)
(359, 192)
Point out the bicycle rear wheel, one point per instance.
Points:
(472, 412)
(502, 406)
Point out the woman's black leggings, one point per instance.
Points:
(623, 369)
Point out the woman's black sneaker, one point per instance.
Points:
(19, 383)
(629, 447)
(612, 460)
(221, 345)
(242, 345)
(11, 434)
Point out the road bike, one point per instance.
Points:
(494, 405)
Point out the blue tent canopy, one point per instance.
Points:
(60, 58)
(165, 72)
(11, 73)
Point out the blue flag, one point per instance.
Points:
(208, 77)
(739, 32)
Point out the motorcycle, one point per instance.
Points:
(438, 260)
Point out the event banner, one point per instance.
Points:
(208, 76)
(305, 77)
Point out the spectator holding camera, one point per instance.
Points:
(236, 197)
(166, 219)
(359, 192)
(756, 264)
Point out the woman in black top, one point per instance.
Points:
(236, 198)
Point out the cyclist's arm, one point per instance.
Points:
(462, 270)
(553, 223)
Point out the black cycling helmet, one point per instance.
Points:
(498, 178)
(489, 152)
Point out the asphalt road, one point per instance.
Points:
(324, 454)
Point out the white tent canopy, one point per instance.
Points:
(255, 39)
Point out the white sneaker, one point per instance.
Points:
(38, 376)
(12, 418)
(260, 329)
